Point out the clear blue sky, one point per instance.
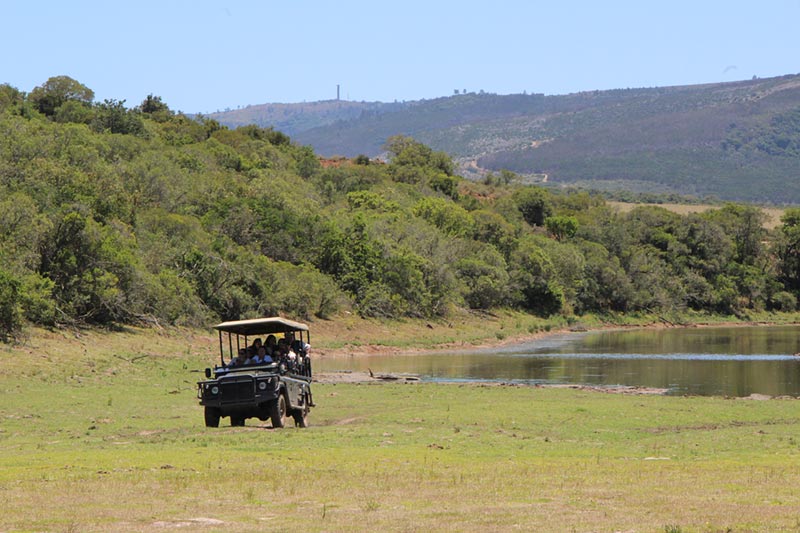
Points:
(203, 56)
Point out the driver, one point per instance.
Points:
(239, 360)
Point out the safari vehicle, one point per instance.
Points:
(267, 391)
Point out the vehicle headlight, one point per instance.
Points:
(262, 385)
(214, 390)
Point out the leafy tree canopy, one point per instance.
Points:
(115, 215)
(58, 90)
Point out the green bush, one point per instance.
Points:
(10, 313)
(784, 301)
(485, 285)
(449, 217)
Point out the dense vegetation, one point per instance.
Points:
(735, 141)
(115, 215)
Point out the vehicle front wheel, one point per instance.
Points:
(277, 411)
(237, 420)
(212, 417)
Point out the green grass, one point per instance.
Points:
(105, 442)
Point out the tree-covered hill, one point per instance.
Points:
(114, 215)
(735, 141)
(294, 118)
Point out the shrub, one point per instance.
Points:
(535, 204)
(449, 217)
(784, 301)
(10, 315)
(377, 302)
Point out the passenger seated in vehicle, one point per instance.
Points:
(262, 358)
(239, 360)
(256, 345)
(285, 350)
(282, 354)
(300, 348)
(297, 346)
(271, 343)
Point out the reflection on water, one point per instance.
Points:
(732, 361)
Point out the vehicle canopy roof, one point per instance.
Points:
(261, 326)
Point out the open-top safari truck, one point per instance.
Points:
(268, 389)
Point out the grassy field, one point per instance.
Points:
(772, 214)
(102, 432)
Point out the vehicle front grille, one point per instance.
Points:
(236, 391)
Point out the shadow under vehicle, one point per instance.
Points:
(267, 391)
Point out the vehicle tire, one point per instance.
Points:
(300, 417)
(212, 417)
(277, 411)
(237, 421)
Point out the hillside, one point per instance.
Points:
(110, 215)
(735, 141)
(295, 118)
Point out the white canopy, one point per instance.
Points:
(261, 326)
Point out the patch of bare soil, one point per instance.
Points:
(191, 523)
(615, 389)
(363, 377)
(715, 427)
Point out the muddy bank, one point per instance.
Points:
(369, 378)
(355, 377)
(379, 349)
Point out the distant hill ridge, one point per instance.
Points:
(295, 118)
(735, 140)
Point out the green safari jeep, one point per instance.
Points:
(246, 385)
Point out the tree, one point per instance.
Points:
(789, 250)
(745, 226)
(445, 184)
(10, 316)
(535, 205)
(57, 90)
(413, 162)
(351, 257)
(307, 162)
(153, 104)
(492, 228)
(562, 227)
(449, 217)
(701, 246)
(112, 117)
(507, 177)
(605, 285)
(532, 280)
(91, 266)
(74, 112)
(10, 97)
(485, 280)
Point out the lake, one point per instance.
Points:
(729, 361)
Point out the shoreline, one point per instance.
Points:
(366, 378)
(488, 343)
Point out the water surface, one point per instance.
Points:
(730, 361)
